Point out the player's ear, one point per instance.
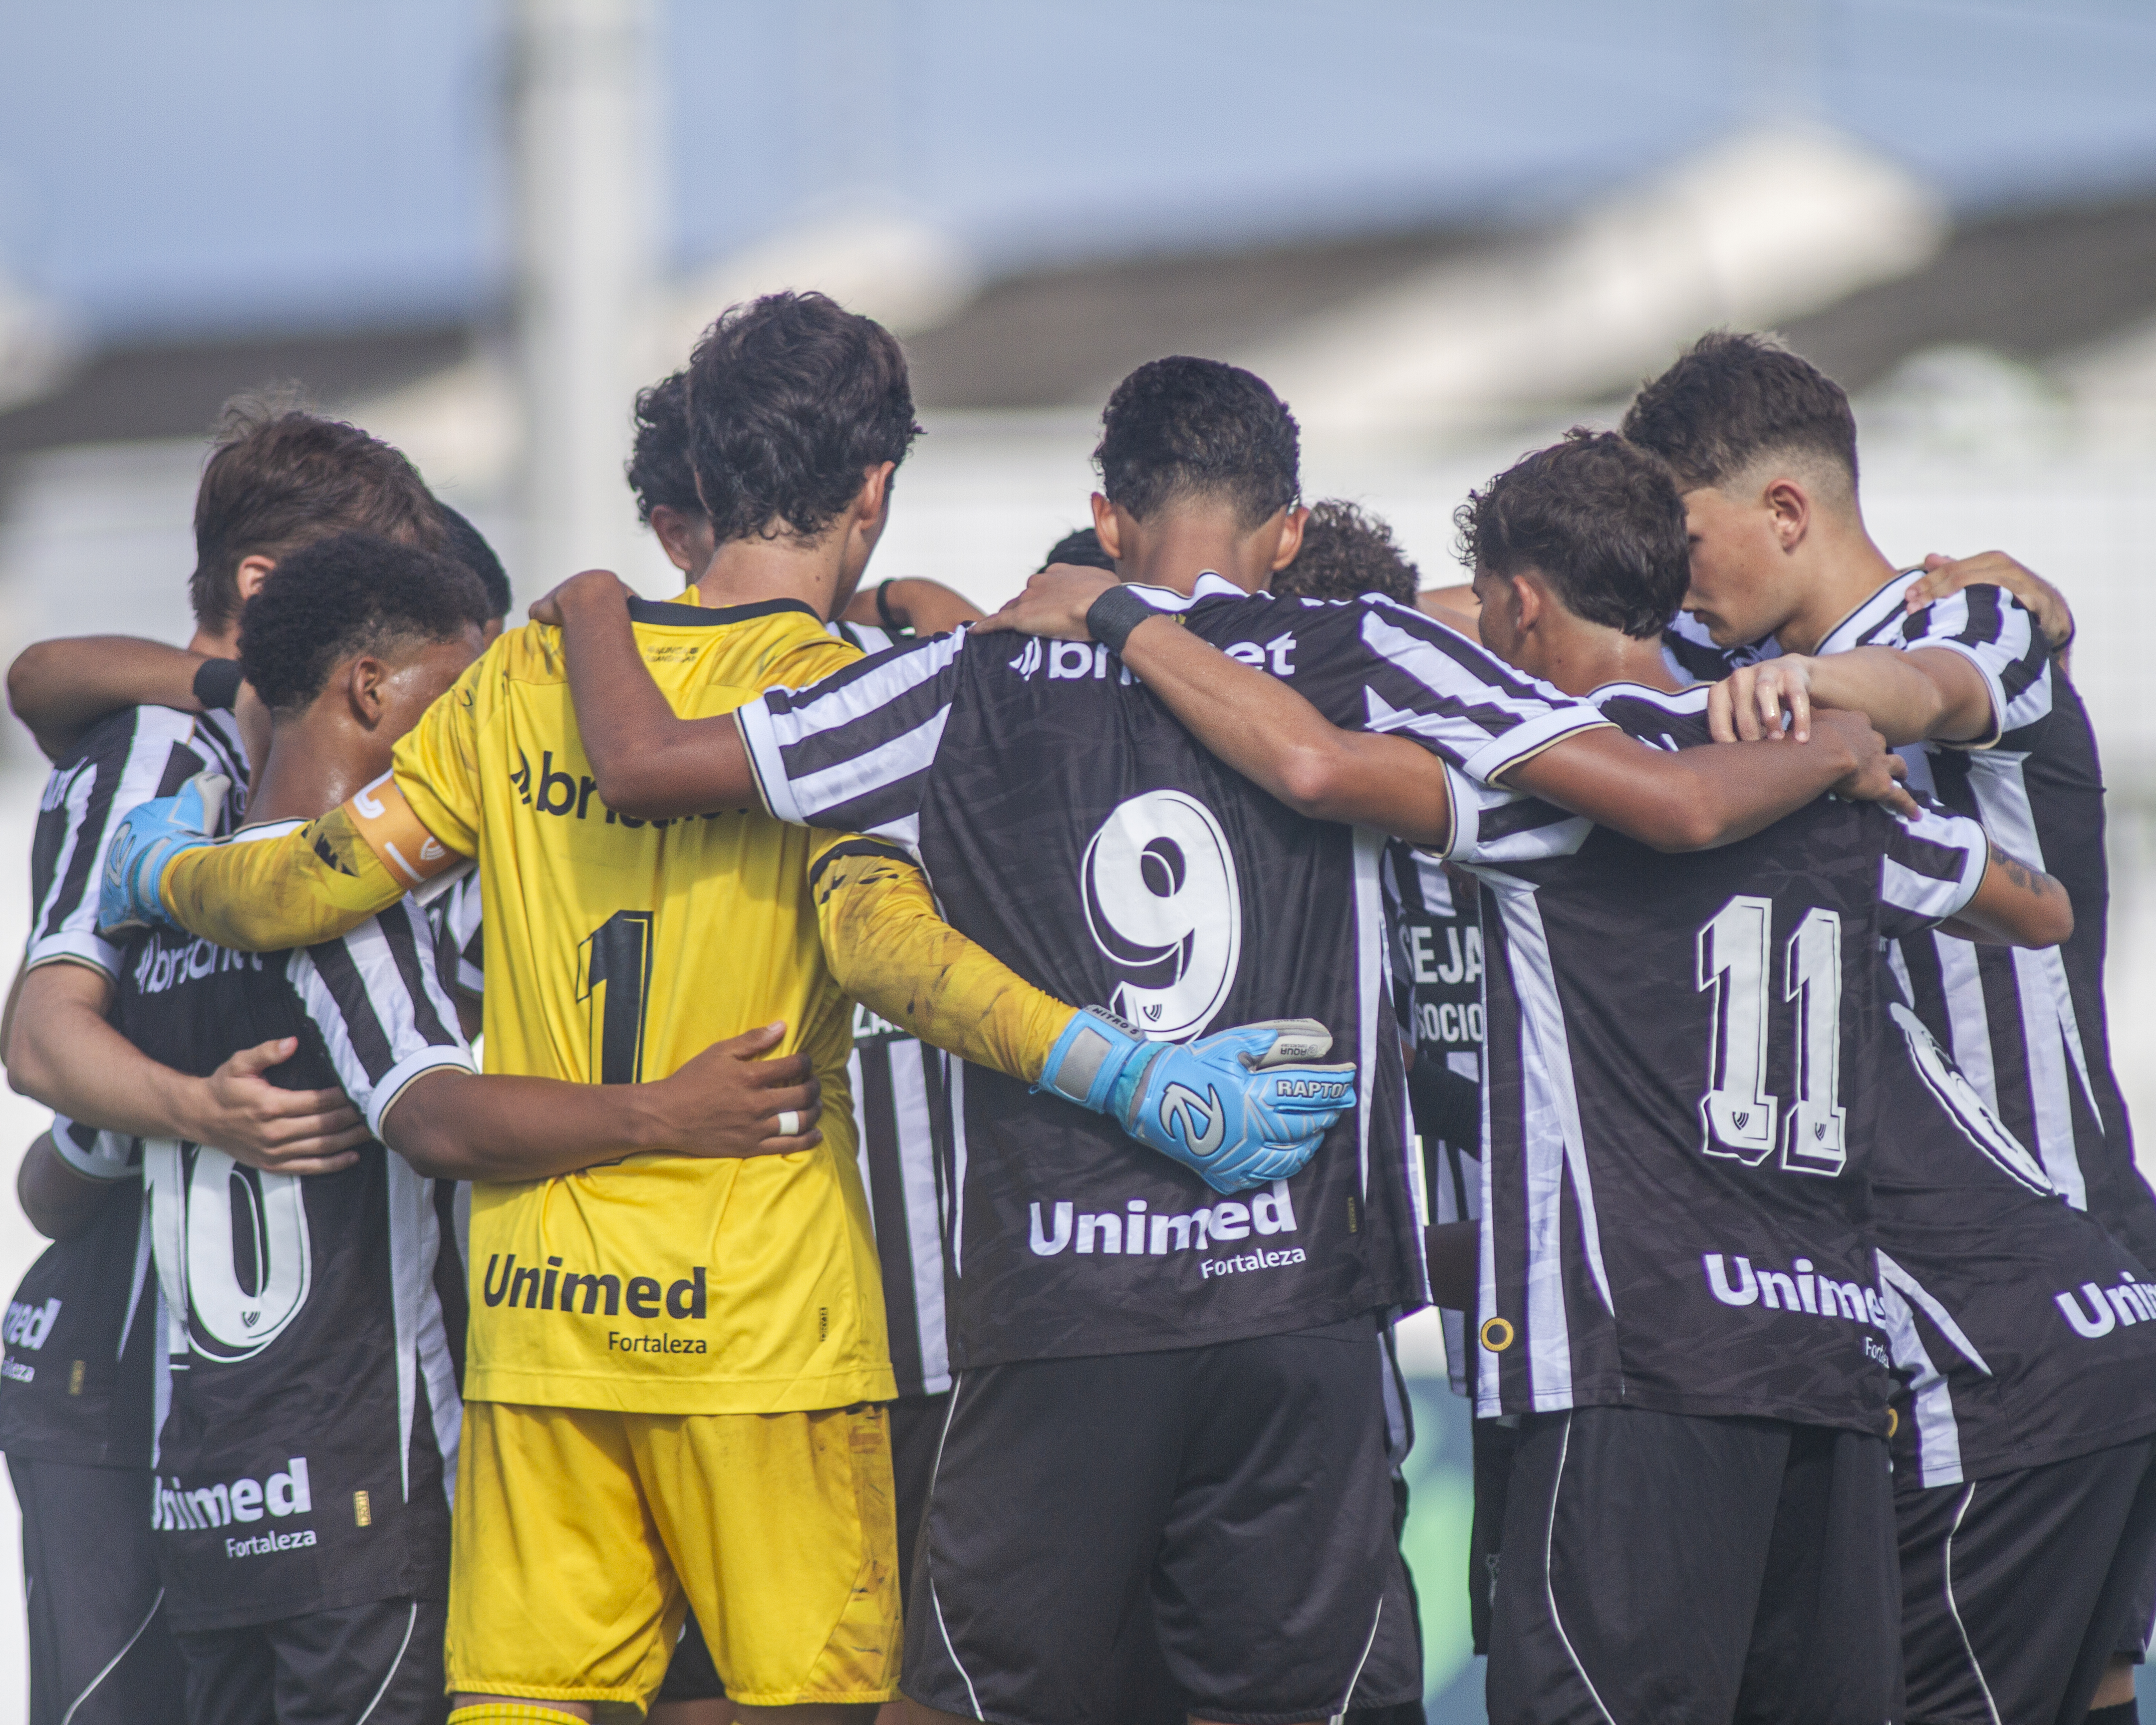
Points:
(1107, 528)
(1290, 537)
(874, 497)
(364, 678)
(250, 575)
(1528, 605)
(1789, 512)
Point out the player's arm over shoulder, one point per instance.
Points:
(889, 949)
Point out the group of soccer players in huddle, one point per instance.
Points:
(965, 1099)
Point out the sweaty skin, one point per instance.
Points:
(886, 946)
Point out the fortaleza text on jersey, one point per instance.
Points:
(1131, 1230)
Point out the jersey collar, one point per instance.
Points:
(686, 614)
(1210, 585)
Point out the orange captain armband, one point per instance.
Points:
(412, 853)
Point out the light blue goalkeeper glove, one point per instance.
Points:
(151, 836)
(1243, 1107)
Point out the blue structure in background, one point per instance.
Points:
(1441, 1506)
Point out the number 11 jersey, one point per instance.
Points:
(1684, 1063)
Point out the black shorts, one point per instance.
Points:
(1494, 1442)
(2016, 1590)
(2132, 1641)
(100, 1652)
(1662, 1567)
(380, 1662)
(916, 1425)
(1236, 1493)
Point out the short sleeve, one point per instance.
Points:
(149, 752)
(436, 761)
(1421, 679)
(1997, 633)
(853, 752)
(1931, 869)
(377, 997)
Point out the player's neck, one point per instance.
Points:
(749, 571)
(1580, 657)
(317, 759)
(1847, 569)
(216, 644)
(1177, 544)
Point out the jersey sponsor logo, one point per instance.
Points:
(1068, 661)
(1135, 1231)
(179, 1509)
(537, 1288)
(1277, 655)
(161, 968)
(1163, 903)
(572, 796)
(28, 1325)
(2093, 1309)
(1798, 1288)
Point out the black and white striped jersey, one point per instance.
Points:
(316, 1325)
(1436, 930)
(1078, 834)
(897, 1084)
(1683, 1062)
(142, 753)
(2024, 1333)
(2028, 1029)
(77, 1380)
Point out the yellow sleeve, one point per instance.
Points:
(436, 761)
(890, 951)
(315, 883)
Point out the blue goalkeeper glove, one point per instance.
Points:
(151, 836)
(1242, 1107)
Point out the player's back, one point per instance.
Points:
(616, 950)
(1682, 1058)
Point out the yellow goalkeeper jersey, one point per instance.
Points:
(616, 949)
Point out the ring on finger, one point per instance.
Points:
(789, 1123)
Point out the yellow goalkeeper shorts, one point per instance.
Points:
(583, 1536)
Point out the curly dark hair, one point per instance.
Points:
(790, 398)
(1081, 547)
(1735, 397)
(465, 542)
(1345, 554)
(357, 593)
(280, 477)
(658, 471)
(1600, 518)
(1180, 427)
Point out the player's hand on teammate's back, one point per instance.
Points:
(731, 1100)
(1054, 605)
(278, 1131)
(1944, 575)
(1242, 1107)
(1877, 774)
(600, 585)
(151, 836)
(1765, 702)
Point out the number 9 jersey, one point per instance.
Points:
(1685, 1070)
(617, 949)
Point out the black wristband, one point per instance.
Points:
(1111, 618)
(883, 606)
(217, 684)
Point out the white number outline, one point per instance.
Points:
(1205, 945)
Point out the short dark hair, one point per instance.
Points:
(1180, 427)
(1345, 554)
(790, 398)
(658, 471)
(1735, 397)
(465, 542)
(1081, 548)
(278, 478)
(357, 593)
(1600, 519)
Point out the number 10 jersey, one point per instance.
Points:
(1684, 1061)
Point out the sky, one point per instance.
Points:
(222, 164)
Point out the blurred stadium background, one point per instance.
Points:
(1443, 230)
